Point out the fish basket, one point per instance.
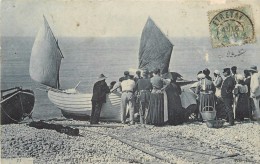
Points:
(215, 123)
(208, 115)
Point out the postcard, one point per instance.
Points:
(127, 81)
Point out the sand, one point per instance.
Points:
(187, 143)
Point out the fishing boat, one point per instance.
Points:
(16, 104)
(45, 64)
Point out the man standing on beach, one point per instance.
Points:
(255, 90)
(227, 95)
(127, 98)
(144, 88)
(100, 90)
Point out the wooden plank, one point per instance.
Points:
(95, 125)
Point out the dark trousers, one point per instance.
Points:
(95, 113)
(251, 107)
(228, 101)
(143, 111)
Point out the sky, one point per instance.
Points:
(114, 18)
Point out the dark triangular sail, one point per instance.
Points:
(45, 58)
(155, 48)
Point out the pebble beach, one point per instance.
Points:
(117, 143)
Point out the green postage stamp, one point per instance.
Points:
(231, 27)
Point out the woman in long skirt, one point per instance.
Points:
(241, 98)
(175, 110)
(155, 115)
(206, 92)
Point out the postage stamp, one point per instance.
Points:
(231, 27)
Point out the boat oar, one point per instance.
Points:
(114, 89)
(77, 85)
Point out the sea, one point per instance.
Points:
(87, 57)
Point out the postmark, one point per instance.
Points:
(231, 27)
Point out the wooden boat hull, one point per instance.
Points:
(78, 105)
(16, 105)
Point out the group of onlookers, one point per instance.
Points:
(143, 94)
(239, 93)
(234, 96)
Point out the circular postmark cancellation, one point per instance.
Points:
(231, 27)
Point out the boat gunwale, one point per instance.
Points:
(17, 92)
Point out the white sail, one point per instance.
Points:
(45, 58)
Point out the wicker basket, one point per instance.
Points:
(208, 115)
(215, 123)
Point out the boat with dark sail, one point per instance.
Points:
(45, 64)
(155, 52)
(16, 104)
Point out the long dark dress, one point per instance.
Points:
(175, 111)
(242, 102)
(155, 115)
(251, 105)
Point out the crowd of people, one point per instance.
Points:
(233, 97)
(142, 94)
(239, 94)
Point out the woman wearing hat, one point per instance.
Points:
(155, 115)
(206, 90)
(100, 90)
(206, 72)
(241, 99)
(217, 82)
(175, 111)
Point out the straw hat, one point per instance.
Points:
(101, 77)
(253, 68)
(201, 76)
(217, 72)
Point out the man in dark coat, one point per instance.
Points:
(227, 95)
(100, 90)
